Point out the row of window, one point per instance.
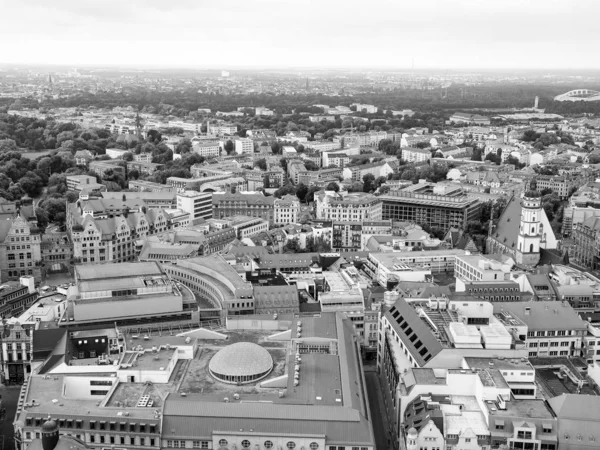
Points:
(554, 333)
(131, 427)
(552, 353)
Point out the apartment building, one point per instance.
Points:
(354, 207)
(244, 146)
(221, 129)
(416, 155)
(286, 210)
(356, 173)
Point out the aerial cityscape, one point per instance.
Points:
(283, 235)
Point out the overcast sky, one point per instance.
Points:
(447, 34)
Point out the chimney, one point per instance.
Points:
(50, 435)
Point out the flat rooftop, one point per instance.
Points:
(497, 363)
(85, 272)
(534, 409)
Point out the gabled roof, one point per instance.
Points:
(507, 228)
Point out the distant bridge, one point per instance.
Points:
(578, 95)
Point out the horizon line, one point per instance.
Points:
(215, 67)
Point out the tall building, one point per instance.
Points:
(522, 230)
(530, 229)
(244, 146)
(20, 251)
(197, 204)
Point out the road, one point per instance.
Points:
(10, 397)
(378, 417)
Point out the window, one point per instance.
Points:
(246, 443)
(223, 443)
(524, 434)
(291, 445)
(467, 439)
(268, 445)
(314, 446)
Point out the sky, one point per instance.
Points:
(437, 34)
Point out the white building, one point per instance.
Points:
(244, 146)
(286, 210)
(115, 153)
(197, 204)
(207, 148)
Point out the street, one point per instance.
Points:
(10, 397)
(378, 417)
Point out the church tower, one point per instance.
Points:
(530, 228)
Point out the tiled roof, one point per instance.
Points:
(507, 228)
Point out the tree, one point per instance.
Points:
(333, 187)
(8, 145)
(229, 147)
(291, 246)
(127, 156)
(310, 165)
(301, 191)
(288, 189)
(369, 182)
(261, 164)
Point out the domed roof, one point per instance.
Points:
(50, 426)
(241, 359)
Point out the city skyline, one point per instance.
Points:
(457, 35)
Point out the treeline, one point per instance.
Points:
(426, 97)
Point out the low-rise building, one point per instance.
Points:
(80, 183)
(554, 329)
(250, 204)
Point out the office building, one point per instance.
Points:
(79, 183)
(197, 204)
(127, 294)
(253, 205)
(553, 328)
(437, 206)
(208, 149)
